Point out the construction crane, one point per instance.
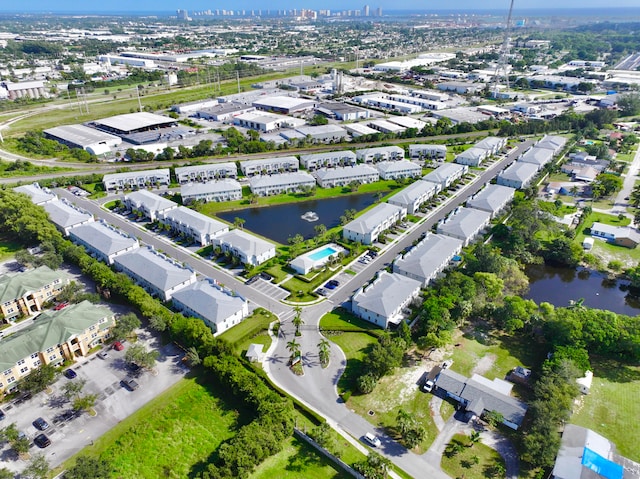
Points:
(502, 72)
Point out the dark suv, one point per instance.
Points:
(130, 384)
(41, 424)
(42, 441)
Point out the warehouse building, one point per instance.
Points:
(323, 133)
(385, 126)
(266, 122)
(359, 129)
(224, 112)
(285, 105)
(222, 190)
(194, 106)
(83, 137)
(421, 102)
(407, 122)
(129, 123)
(343, 112)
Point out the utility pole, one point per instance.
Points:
(502, 71)
(238, 78)
(139, 102)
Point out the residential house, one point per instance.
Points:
(392, 170)
(493, 144)
(210, 171)
(268, 166)
(25, 293)
(103, 241)
(283, 183)
(219, 307)
(472, 157)
(329, 159)
(430, 257)
(518, 175)
(66, 216)
(415, 195)
(492, 198)
(585, 454)
(148, 204)
(553, 143)
(423, 151)
(222, 190)
(191, 224)
(537, 156)
(248, 248)
(38, 195)
(136, 179)
(464, 224)
(619, 235)
(158, 274)
(342, 176)
(56, 336)
(381, 153)
(367, 228)
(478, 395)
(446, 174)
(382, 302)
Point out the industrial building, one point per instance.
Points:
(359, 129)
(129, 123)
(266, 122)
(323, 133)
(285, 105)
(385, 126)
(343, 112)
(83, 137)
(224, 112)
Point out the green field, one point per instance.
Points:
(463, 464)
(8, 248)
(252, 330)
(611, 408)
(604, 251)
(169, 436)
(296, 460)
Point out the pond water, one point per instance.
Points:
(557, 285)
(280, 222)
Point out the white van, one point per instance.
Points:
(372, 440)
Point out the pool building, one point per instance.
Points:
(315, 259)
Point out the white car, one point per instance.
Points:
(372, 440)
(428, 386)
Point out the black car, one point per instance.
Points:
(251, 280)
(41, 424)
(2, 415)
(129, 384)
(133, 367)
(42, 441)
(70, 373)
(66, 416)
(266, 276)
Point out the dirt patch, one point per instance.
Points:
(484, 364)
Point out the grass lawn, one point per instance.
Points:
(169, 436)
(342, 320)
(301, 290)
(406, 395)
(8, 248)
(253, 327)
(462, 464)
(611, 408)
(297, 459)
(355, 347)
(604, 251)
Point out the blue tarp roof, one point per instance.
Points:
(600, 465)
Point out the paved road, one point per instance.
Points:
(317, 387)
(620, 204)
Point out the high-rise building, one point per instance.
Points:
(365, 11)
(379, 12)
(182, 14)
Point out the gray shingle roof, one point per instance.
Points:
(491, 198)
(464, 222)
(264, 181)
(199, 222)
(192, 189)
(386, 293)
(344, 172)
(372, 218)
(104, 238)
(400, 165)
(537, 156)
(249, 244)
(150, 200)
(37, 194)
(428, 255)
(155, 268)
(64, 214)
(208, 301)
(414, 191)
(519, 172)
(443, 172)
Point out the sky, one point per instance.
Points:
(195, 5)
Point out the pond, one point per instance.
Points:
(280, 222)
(558, 285)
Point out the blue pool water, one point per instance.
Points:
(323, 253)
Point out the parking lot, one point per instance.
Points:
(273, 291)
(69, 433)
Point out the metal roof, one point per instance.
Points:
(81, 135)
(134, 121)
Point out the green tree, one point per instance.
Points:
(125, 324)
(37, 468)
(297, 320)
(39, 379)
(322, 435)
(366, 383)
(6, 473)
(73, 388)
(629, 103)
(239, 222)
(87, 466)
(84, 403)
(138, 354)
(493, 418)
(192, 357)
(294, 348)
(324, 348)
(404, 420)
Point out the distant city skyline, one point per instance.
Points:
(163, 6)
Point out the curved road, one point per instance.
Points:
(317, 387)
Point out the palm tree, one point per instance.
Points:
(324, 347)
(294, 348)
(238, 222)
(404, 420)
(297, 319)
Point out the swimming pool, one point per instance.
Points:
(322, 254)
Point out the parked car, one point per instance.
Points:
(447, 364)
(60, 306)
(70, 373)
(334, 282)
(103, 355)
(41, 424)
(372, 440)
(321, 291)
(251, 280)
(266, 276)
(130, 384)
(330, 285)
(42, 441)
(2, 415)
(118, 346)
(133, 367)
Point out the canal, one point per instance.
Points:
(280, 222)
(558, 286)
